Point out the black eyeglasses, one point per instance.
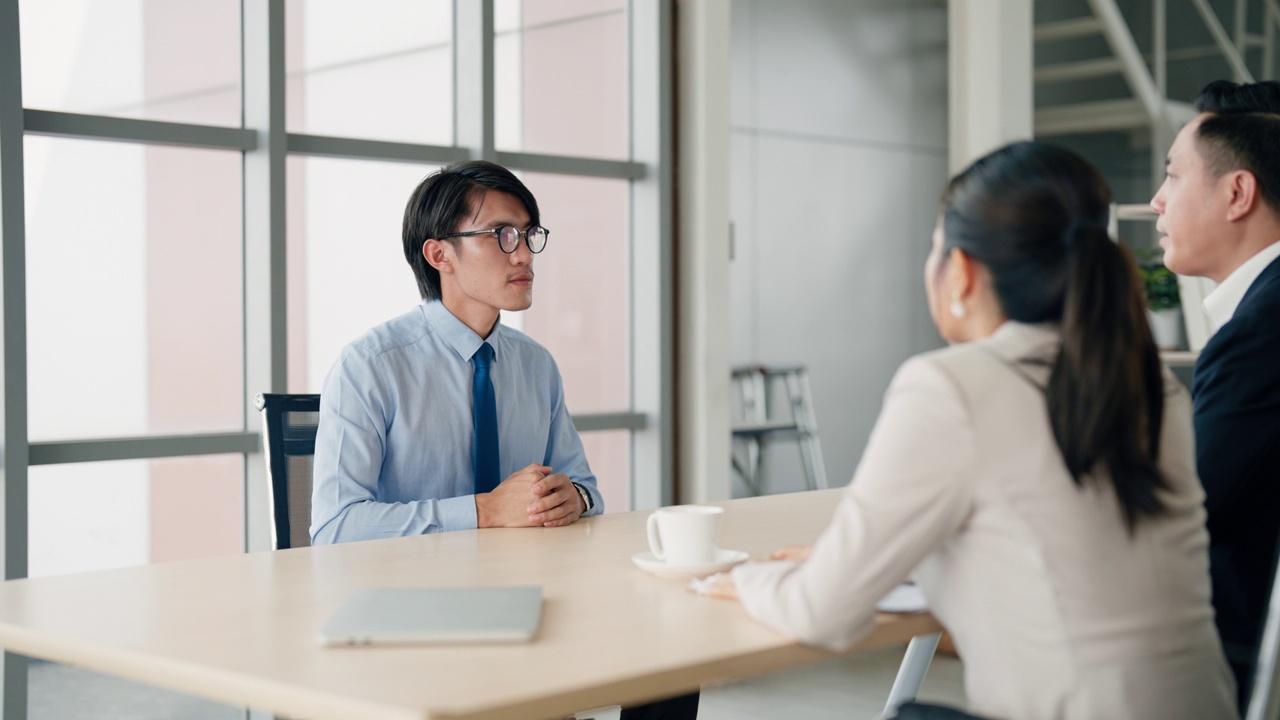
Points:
(509, 237)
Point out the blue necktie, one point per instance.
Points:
(485, 422)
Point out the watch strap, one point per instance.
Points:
(587, 502)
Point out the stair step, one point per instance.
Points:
(1127, 114)
(1068, 29)
(1079, 70)
(1122, 114)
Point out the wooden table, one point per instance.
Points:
(241, 629)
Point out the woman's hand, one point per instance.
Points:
(795, 553)
(720, 585)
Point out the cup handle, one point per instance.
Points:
(655, 542)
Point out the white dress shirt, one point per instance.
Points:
(393, 450)
(1220, 305)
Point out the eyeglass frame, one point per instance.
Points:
(497, 233)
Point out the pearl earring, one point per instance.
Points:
(957, 308)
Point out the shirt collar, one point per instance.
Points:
(1220, 305)
(461, 338)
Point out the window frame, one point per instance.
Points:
(266, 144)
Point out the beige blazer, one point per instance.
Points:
(1056, 611)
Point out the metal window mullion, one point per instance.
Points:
(361, 149)
(381, 150)
(473, 125)
(131, 130)
(265, 333)
(651, 286)
(141, 448)
(598, 422)
(13, 338)
(570, 165)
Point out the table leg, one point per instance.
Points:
(911, 672)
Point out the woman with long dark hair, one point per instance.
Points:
(1037, 478)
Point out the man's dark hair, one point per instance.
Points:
(1224, 97)
(1247, 141)
(440, 203)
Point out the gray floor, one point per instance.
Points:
(850, 688)
(62, 692)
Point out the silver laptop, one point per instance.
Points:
(436, 615)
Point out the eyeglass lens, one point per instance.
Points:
(509, 238)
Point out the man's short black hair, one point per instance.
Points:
(440, 203)
(1244, 141)
(1224, 97)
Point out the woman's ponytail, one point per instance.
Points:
(1035, 215)
(1106, 392)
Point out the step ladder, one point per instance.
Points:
(755, 427)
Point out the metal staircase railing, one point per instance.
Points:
(1148, 104)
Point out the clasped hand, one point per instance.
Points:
(531, 497)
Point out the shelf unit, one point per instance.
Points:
(1192, 290)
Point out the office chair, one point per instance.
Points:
(289, 424)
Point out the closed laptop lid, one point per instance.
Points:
(436, 615)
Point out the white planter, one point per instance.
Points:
(1166, 328)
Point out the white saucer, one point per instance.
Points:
(725, 559)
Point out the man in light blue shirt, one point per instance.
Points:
(399, 451)
(405, 443)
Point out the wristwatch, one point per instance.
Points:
(586, 497)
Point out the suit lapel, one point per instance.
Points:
(1267, 283)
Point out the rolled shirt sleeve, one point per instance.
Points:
(565, 453)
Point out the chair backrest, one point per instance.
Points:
(289, 424)
(1264, 700)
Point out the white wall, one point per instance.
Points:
(838, 155)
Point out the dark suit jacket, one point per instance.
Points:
(1236, 390)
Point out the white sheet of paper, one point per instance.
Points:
(904, 598)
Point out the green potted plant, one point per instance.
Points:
(1164, 306)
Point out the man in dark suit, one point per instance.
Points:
(1219, 212)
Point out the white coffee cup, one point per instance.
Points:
(685, 534)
